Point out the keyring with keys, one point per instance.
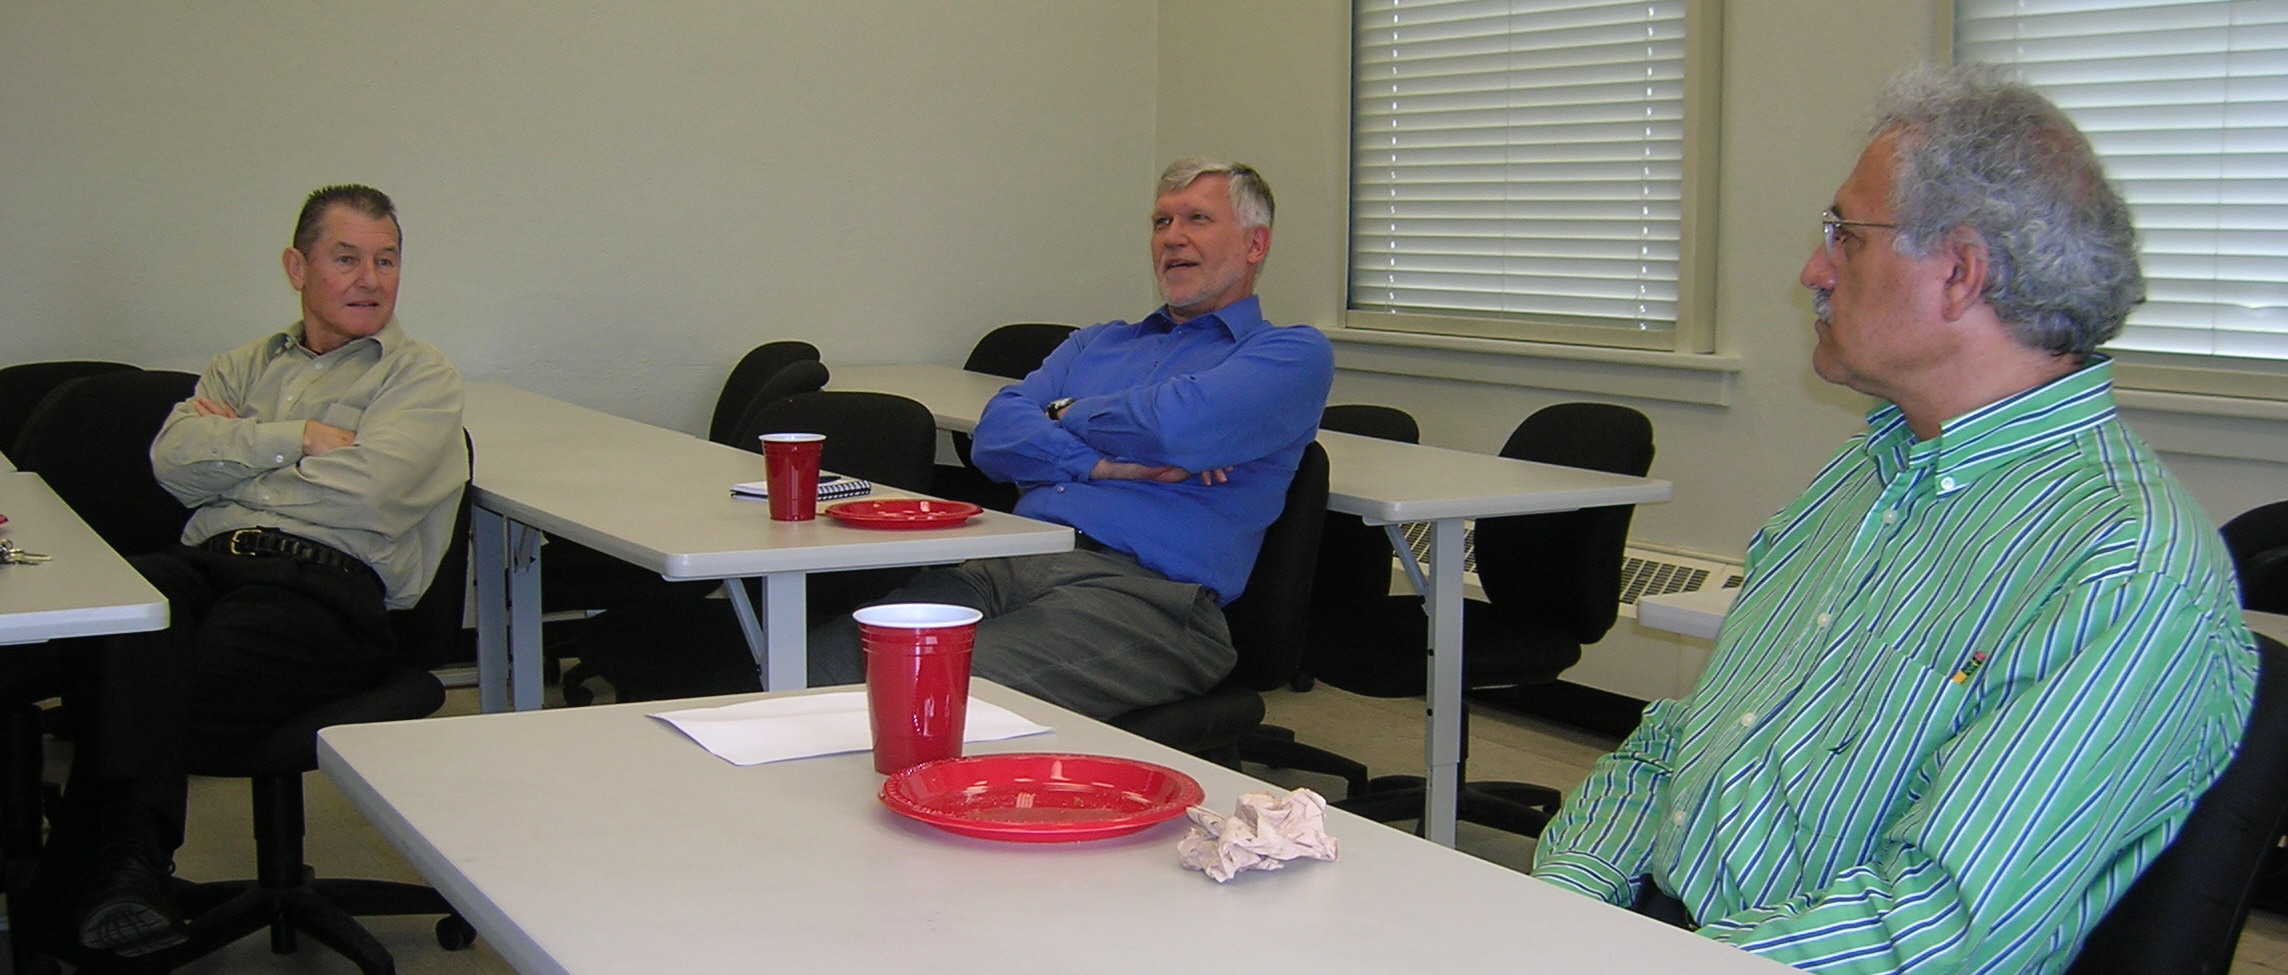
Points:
(14, 554)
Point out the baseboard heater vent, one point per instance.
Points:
(1646, 570)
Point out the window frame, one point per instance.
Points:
(1693, 333)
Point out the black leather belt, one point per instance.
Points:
(271, 541)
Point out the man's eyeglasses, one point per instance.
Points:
(1830, 223)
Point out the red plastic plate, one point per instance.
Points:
(1039, 797)
(903, 513)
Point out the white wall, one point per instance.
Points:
(604, 202)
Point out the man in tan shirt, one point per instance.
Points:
(323, 465)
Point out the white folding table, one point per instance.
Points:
(662, 500)
(84, 589)
(612, 843)
(1386, 483)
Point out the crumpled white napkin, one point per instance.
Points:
(780, 728)
(1262, 834)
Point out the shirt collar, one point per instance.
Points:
(2002, 431)
(388, 339)
(1241, 318)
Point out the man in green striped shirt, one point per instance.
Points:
(1984, 666)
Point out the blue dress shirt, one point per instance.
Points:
(1224, 390)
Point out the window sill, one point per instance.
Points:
(1634, 373)
(2231, 427)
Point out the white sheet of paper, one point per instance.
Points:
(778, 729)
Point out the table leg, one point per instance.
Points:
(488, 534)
(526, 654)
(1444, 748)
(782, 625)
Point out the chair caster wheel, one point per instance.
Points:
(454, 934)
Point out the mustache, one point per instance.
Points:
(1822, 303)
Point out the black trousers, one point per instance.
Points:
(251, 642)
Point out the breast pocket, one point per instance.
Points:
(342, 415)
(1867, 758)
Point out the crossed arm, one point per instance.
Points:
(317, 438)
(1193, 426)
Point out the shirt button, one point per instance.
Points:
(1677, 817)
(1748, 720)
(1823, 620)
(1946, 484)
(278, 459)
(1890, 517)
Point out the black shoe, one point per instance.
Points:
(129, 910)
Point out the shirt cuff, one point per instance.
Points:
(1587, 877)
(277, 443)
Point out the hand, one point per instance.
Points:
(208, 407)
(1115, 470)
(318, 438)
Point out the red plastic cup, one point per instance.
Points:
(790, 468)
(917, 680)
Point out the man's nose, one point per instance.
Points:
(1818, 271)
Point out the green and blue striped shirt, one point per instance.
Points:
(1971, 688)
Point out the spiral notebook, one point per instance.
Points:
(831, 487)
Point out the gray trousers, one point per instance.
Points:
(1088, 630)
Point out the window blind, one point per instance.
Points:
(1518, 159)
(2187, 102)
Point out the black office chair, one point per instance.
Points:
(24, 385)
(1350, 581)
(797, 378)
(1552, 584)
(757, 367)
(682, 645)
(90, 440)
(2185, 912)
(1013, 351)
(286, 896)
(2258, 540)
(883, 437)
(1355, 622)
(1263, 630)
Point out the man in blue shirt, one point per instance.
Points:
(1167, 443)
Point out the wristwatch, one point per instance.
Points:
(1057, 407)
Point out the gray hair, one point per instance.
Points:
(1982, 153)
(1250, 194)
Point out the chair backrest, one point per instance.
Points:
(882, 437)
(428, 632)
(24, 385)
(1354, 557)
(755, 368)
(2185, 912)
(1016, 349)
(797, 377)
(90, 439)
(2258, 540)
(1267, 619)
(1563, 570)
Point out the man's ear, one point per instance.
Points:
(1966, 270)
(1258, 244)
(297, 267)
